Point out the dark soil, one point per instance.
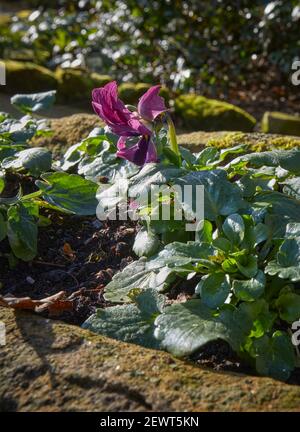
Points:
(76, 255)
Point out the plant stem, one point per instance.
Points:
(172, 136)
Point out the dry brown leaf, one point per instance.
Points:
(68, 251)
(55, 304)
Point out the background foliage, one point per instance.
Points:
(198, 45)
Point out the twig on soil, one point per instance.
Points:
(45, 263)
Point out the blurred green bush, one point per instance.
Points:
(191, 44)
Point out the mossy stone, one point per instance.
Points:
(99, 80)
(26, 77)
(77, 84)
(5, 20)
(130, 92)
(47, 365)
(256, 141)
(277, 122)
(200, 113)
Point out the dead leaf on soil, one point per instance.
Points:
(55, 304)
(68, 251)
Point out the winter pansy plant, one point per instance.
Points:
(236, 276)
(128, 124)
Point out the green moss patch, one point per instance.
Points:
(256, 141)
(201, 113)
(77, 85)
(26, 77)
(280, 123)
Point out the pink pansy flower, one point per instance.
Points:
(125, 123)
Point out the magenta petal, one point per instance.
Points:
(113, 112)
(151, 155)
(151, 104)
(142, 152)
(121, 144)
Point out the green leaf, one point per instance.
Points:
(34, 160)
(286, 159)
(279, 205)
(289, 307)
(159, 271)
(275, 355)
(2, 184)
(213, 289)
(146, 243)
(287, 263)
(69, 192)
(132, 323)
(292, 230)
(234, 228)
(251, 289)
(248, 269)
(207, 156)
(205, 232)
(22, 230)
(222, 244)
(184, 328)
(220, 196)
(152, 174)
(30, 103)
(292, 187)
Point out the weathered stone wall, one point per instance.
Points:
(50, 366)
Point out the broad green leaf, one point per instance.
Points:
(205, 232)
(159, 271)
(146, 243)
(69, 193)
(279, 205)
(136, 275)
(220, 196)
(152, 174)
(289, 307)
(275, 355)
(184, 328)
(214, 289)
(130, 322)
(250, 289)
(287, 263)
(249, 184)
(31, 103)
(292, 230)
(292, 187)
(34, 160)
(207, 156)
(222, 244)
(234, 228)
(286, 159)
(258, 314)
(249, 268)
(22, 230)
